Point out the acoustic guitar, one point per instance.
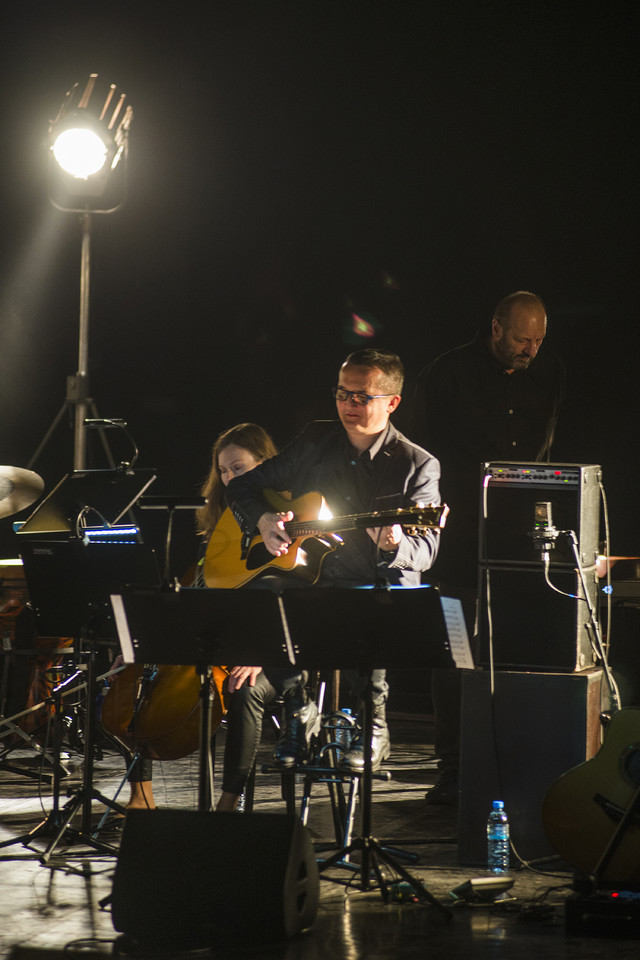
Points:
(227, 565)
(583, 809)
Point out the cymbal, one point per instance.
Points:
(18, 489)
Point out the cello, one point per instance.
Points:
(154, 709)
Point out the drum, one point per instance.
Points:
(13, 597)
(28, 661)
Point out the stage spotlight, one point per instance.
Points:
(88, 144)
(87, 174)
(80, 152)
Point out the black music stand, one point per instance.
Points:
(201, 628)
(309, 628)
(367, 628)
(69, 585)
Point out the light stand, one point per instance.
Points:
(77, 397)
(87, 175)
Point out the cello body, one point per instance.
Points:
(155, 709)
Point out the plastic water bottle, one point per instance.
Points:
(343, 725)
(498, 839)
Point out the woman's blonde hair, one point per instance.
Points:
(252, 438)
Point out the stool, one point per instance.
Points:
(323, 767)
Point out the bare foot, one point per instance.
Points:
(141, 795)
(227, 802)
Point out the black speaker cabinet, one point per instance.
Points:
(527, 622)
(515, 745)
(188, 879)
(532, 626)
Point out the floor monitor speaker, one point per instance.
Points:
(189, 879)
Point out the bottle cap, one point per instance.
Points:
(498, 804)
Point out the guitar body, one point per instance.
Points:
(224, 566)
(582, 810)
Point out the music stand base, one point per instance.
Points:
(62, 830)
(56, 829)
(373, 853)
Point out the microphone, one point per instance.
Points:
(544, 533)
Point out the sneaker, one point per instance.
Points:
(444, 792)
(353, 760)
(299, 729)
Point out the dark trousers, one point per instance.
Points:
(246, 712)
(244, 722)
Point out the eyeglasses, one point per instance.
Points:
(359, 398)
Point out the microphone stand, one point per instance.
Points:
(593, 625)
(546, 538)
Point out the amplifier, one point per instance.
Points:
(510, 492)
(529, 623)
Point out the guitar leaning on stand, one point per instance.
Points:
(591, 814)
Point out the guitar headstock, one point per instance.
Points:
(421, 518)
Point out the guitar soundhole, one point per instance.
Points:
(631, 765)
(258, 557)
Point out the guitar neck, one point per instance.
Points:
(413, 516)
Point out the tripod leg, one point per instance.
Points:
(52, 821)
(113, 804)
(370, 865)
(84, 797)
(65, 406)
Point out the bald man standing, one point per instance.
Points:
(495, 398)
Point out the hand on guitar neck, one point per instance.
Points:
(386, 539)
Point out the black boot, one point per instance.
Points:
(353, 760)
(302, 721)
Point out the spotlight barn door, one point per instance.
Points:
(191, 879)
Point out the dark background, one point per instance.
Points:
(292, 163)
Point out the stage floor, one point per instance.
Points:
(50, 906)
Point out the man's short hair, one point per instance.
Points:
(389, 363)
(523, 297)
